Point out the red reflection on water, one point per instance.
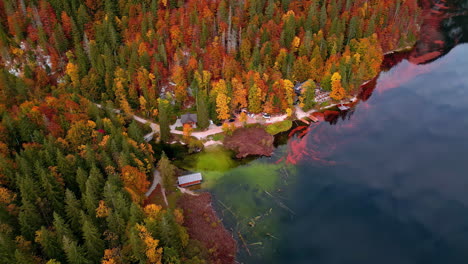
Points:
(317, 142)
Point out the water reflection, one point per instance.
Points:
(398, 190)
(384, 183)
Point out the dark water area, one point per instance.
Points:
(390, 183)
(384, 183)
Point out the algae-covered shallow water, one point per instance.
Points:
(386, 184)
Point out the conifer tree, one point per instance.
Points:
(72, 209)
(93, 243)
(163, 107)
(75, 253)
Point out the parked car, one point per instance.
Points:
(266, 116)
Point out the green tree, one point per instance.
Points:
(163, 107)
(167, 171)
(75, 253)
(73, 210)
(92, 241)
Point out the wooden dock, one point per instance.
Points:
(313, 118)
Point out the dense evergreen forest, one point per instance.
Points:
(73, 176)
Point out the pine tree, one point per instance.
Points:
(202, 109)
(61, 227)
(72, 209)
(92, 241)
(163, 107)
(51, 245)
(254, 99)
(75, 253)
(167, 171)
(29, 219)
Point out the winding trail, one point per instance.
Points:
(154, 127)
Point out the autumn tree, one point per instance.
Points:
(187, 130)
(135, 182)
(338, 92)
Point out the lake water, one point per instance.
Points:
(388, 183)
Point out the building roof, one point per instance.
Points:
(188, 118)
(190, 178)
(343, 107)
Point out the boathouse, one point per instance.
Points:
(190, 179)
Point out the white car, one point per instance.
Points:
(266, 116)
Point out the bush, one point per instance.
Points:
(279, 127)
(218, 137)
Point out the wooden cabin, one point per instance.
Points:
(190, 179)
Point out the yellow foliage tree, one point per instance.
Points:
(203, 79)
(153, 253)
(111, 256)
(338, 92)
(295, 43)
(120, 82)
(288, 87)
(81, 132)
(102, 210)
(72, 72)
(222, 100)
(222, 108)
(152, 210)
(178, 76)
(243, 117)
(187, 130)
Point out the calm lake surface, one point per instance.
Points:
(386, 184)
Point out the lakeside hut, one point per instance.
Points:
(343, 107)
(190, 179)
(190, 119)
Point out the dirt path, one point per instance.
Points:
(157, 180)
(187, 191)
(213, 129)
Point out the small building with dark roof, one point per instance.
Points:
(189, 119)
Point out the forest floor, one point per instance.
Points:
(205, 226)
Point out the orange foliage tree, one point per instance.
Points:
(135, 182)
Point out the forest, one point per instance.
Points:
(73, 175)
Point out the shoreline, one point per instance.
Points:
(207, 208)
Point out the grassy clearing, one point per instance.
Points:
(279, 127)
(218, 137)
